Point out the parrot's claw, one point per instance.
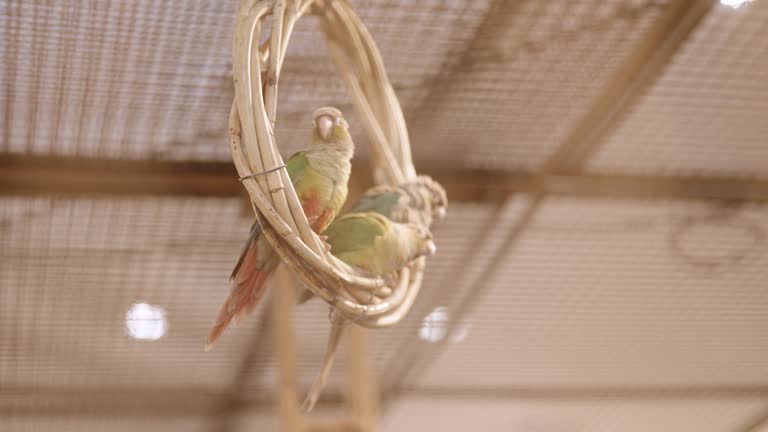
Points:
(390, 279)
(326, 245)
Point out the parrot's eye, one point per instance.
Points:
(339, 121)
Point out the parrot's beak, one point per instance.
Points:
(324, 126)
(440, 213)
(431, 248)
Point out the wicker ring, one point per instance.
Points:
(256, 71)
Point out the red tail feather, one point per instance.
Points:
(248, 283)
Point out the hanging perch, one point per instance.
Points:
(366, 301)
(363, 300)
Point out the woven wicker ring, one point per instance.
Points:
(366, 301)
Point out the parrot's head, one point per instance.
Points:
(426, 245)
(435, 195)
(330, 128)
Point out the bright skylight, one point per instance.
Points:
(146, 322)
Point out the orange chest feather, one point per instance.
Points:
(318, 215)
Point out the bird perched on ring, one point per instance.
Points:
(375, 245)
(388, 227)
(319, 175)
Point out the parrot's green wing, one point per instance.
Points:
(382, 203)
(371, 242)
(355, 231)
(297, 165)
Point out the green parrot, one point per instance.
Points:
(388, 226)
(319, 176)
(417, 202)
(376, 245)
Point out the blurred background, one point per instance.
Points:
(603, 266)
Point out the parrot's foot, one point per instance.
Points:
(326, 245)
(391, 279)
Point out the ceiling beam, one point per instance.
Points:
(643, 187)
(25, 175)
(61, 176)
(149, 402)
(628, 392)
(161, 402)
(195, 401)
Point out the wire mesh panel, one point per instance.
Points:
(73, 269)
(621, 293)
(152, 80)
(529, 75)
(450, 280)
(708, 112)
(115, 79)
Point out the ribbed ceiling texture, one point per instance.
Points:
(603, 266)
